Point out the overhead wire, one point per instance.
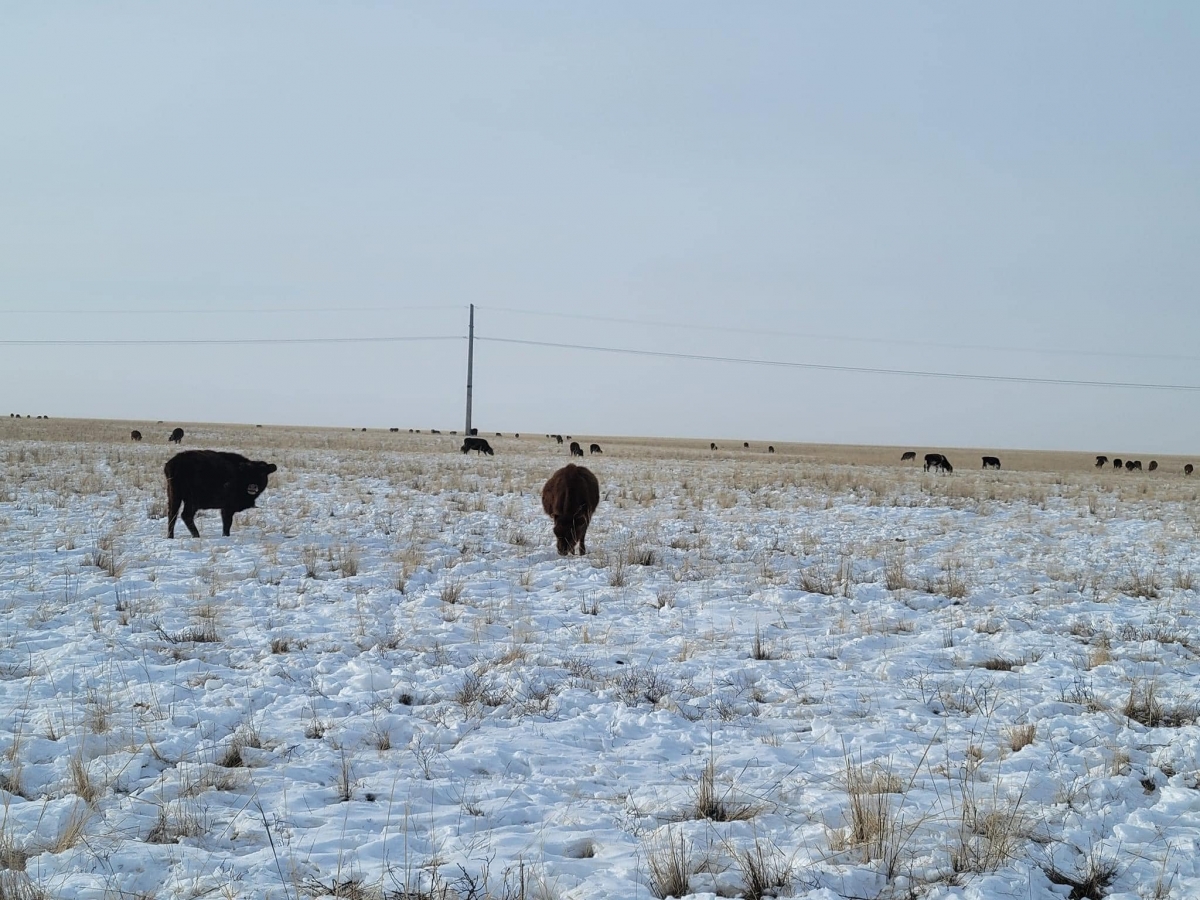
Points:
(140, 342)
(662, 354)
(868, 370)
(173, 311)
(940, 345)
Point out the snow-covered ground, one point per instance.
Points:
(385, 682)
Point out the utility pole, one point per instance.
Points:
(470, 365)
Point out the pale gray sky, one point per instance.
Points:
(935, 187)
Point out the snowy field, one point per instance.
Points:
(774, 675)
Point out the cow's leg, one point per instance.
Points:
(189, 518)
(226, 521)
(581, 527)
(173, 504)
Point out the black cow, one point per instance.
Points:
(745, 445)
(478, 444)
(558, 437)
(937, 462)
(1153, 465)
(1137, 465)
(434, 431)
(570, 497)
(907, 455)
(1101, 462)
(576, 450)
(176, 436)
(212, 479)
(1131, 464)
(1117, 463)
(991, 462)
(595, 448)
(474, 432)
(771, 448)
(135, 435)
(712, 446)
(1187, 470)
(394, 430)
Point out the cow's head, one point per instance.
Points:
(254, 475)
(564, 535)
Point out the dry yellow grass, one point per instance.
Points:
(250, 437)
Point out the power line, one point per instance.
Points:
(232, 309)
(1107, 354)
(868, 370)
(135, 342)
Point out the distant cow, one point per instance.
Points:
(712, 446)
(576, 450)
(212, 479)
(558, 437)
(478, 444)
(176, 436)
(937, 462)
(434, 431)
(745, 445)
(1117, 463)
(570, 497)
(1101, 462)
(1137, 465)
(595, 448)
(1187, 470)
(394, 430)
(991, 462)
(1131, 464)
(907, 455)
(135, 435)
(475, 431)
(771, 448)
(1153, 465)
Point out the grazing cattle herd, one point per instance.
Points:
(210, 479)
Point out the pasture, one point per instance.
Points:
(813, 673)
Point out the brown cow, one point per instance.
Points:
(570, 497)
(1187, 470)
